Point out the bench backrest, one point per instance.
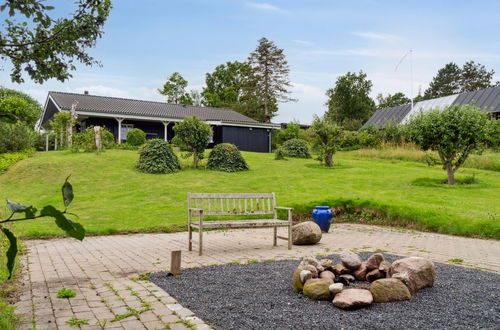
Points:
(232, 204)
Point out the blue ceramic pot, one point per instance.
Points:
(322, 216)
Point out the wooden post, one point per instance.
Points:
(46, 141)
(175, 263)
(119, 120)
(165, 129)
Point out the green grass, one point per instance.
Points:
(66, 293)
(488, 160)
(9, 159)
(111, 196)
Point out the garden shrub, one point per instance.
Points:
(136, 137)
(352, 140)
(9, 159)
(493, 135)
(226, 157)
(15, 137)
(279, 154)
(86, 141)
(296, 148)
(157, 157)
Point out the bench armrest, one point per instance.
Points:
(195, 209)
(283, 208)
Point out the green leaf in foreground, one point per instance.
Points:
(14, 207)
(67, 192)
(72, 228)
(12, 251)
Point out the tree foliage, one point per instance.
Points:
(175, 90)
(271, 76)
(192, 135)
(18, 106)
(227, 158)
(45, 47)
(291, 131)
(16, 137)
(453, 133)
(391, 100)
(327, 137)
(225, 86)
(19, 212)
(349, 104)
(452, 79)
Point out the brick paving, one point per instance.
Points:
(105, 271)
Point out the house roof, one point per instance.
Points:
(487, 100)
(384, 116)
(129, 107)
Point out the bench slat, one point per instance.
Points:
(231, 195)
(242, 223)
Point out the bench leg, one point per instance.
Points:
(200, 242)
(275, 240)
(290, 237)
(190, 232)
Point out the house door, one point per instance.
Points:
(125, 129)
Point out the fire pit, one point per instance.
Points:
(354, 283)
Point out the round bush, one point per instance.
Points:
(226, 157)
(296, 148)
(279, 154)
(136, 137)
(157, 157)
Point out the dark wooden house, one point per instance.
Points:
(157, 119)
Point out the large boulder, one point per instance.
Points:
(318, 289)
(327, 274)
(389, 289)
(374, 275)
(353, 298)
(421, 272)
(360, 273)
(350, 260)
(306, 233)
(296, 281)
(340, 269)
(374, 261)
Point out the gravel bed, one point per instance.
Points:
(260, 296)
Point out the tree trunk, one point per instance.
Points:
(329, 159)
(195, 159)
(451, 174)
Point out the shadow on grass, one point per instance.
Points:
(470, 181)
(336, 166)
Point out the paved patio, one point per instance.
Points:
(105, 271)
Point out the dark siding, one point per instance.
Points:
(50, 111)
(151, 128)
(247, 139)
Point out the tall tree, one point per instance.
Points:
(270, 70)
(45, 47)
(225, 86)
(232, 85)
(475, 76)
(391, 100)
(349, 104)
(452, 79)
(175, 90)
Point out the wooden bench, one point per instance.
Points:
(201, 205)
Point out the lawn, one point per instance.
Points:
(111, 196)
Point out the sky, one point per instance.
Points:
(146, 41)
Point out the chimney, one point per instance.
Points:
(86, 92)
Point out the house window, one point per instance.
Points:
(125, 129)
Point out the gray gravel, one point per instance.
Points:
(260, 296)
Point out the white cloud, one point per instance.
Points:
(263, 6)
(302, 42)
(377, 36)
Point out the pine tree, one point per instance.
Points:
(270, 70)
